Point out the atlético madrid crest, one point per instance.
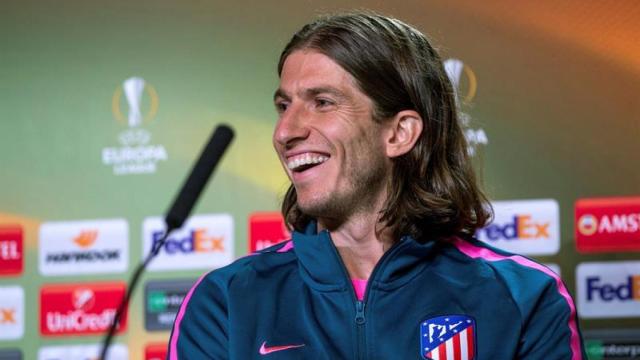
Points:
(449, 337)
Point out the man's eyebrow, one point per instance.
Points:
(327, 90)
(279, 93)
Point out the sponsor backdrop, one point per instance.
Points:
(103, 108)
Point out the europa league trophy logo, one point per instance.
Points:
(133, 88)
(465, 92)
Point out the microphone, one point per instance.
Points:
(199, 176)
(178, 212)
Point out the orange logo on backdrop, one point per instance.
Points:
(202, 242)
(86, 238)
(7, 316)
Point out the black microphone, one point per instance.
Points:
(178, 212)
(199, 176)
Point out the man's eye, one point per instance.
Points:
(324, 103)
(281, 106)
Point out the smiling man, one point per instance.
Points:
(383, 202)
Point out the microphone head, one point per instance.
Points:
(200, 174)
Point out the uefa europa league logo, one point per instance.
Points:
(455, 70)
(133, 88)
(136, 90)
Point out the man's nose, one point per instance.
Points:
(292, 125)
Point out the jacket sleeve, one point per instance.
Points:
(200, 330)
(550, 329)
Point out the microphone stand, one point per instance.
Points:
(129, 291)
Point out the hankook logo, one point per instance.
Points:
(84, 247)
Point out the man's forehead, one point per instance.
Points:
(307, 72)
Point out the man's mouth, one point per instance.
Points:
(302, 162)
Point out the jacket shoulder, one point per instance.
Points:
(548, 313)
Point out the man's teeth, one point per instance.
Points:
(306, 160)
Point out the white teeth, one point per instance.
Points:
(306, 159)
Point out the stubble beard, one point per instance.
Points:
(360, 195)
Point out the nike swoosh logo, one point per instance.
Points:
(264, 350)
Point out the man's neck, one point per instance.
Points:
(361, 242)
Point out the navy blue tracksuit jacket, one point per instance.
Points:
(447, 300)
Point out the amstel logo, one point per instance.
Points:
(607, 224)
(588, 224)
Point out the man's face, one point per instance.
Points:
(326, 138)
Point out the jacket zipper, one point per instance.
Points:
(360, 334)
(360, 318)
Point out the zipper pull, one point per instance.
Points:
(360, 312)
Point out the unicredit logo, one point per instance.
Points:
(68, 309)
(628, 290)
(196, 241)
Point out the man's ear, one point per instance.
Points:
(402, 133)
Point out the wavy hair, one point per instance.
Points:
(433, 192)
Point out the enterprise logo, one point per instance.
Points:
(607, 224)
(203, 242)
(84, 247)
(530, 227)
(608, 289)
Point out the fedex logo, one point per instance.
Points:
(266, 229)
(196, 241)
(11, 312)
(525, 226)
(608, 289)
(204, 242)
(521, 227)
(625, 291)
(607, 224)
(11, 253)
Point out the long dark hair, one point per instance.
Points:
(433, 192)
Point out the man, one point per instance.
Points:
(383, 204)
